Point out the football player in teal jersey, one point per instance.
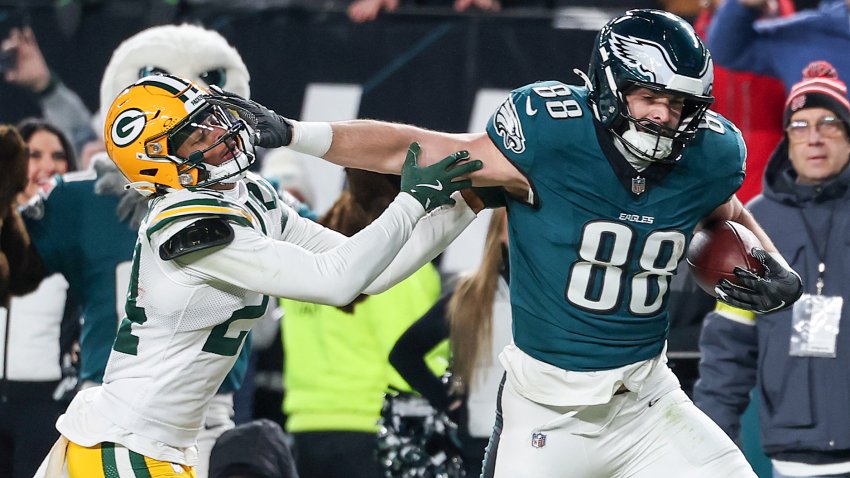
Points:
(604, 185)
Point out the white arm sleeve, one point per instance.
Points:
(431, 237)
(282, 269)
(311, 235)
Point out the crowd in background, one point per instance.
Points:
(320, 372)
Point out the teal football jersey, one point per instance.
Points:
(80, 236)
(591, 260)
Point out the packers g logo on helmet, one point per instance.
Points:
(151, 120)
(128, 126)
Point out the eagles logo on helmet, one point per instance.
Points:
(153, 118)
(655, 50)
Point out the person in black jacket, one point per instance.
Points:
(798, 358)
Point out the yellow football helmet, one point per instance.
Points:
(157, 116)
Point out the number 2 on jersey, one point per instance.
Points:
(224, 339)
(596, 281)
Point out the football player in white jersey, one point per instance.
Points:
(215, 244)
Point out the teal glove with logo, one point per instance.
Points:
(433, 185)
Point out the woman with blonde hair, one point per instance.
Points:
(476, 317)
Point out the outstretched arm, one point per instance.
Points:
(373, 145)
(281, 269)
(380, 146)
(430, 237)
(335, 276)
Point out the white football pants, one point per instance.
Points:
(627, 437)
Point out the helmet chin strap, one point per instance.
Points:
(650, 146)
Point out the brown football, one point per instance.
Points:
(717, 249)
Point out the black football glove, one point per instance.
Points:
(433, 185)
(268, 129)
(779, 288)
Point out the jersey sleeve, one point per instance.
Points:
(256, 262)
(512, 127)
(725, 155)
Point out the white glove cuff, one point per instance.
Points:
(311, 137)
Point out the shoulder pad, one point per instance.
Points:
(175, 207)
(201, 234)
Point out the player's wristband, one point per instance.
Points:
(311, 137)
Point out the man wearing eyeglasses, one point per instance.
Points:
(797, 358)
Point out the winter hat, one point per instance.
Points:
(820, 88)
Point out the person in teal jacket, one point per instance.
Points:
(336, 358)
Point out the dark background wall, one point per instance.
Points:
(418, 68)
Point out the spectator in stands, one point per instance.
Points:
(798, 358)
(780, 47)
(50, 153)
(13, 237)
(754, 102)
(257, 449)
(476, 317)
(60, 106)
(336, 366)
(30, 326)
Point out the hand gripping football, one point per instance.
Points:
(717, 249)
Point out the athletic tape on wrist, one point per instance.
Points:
(311, 137)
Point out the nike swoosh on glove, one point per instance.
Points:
(779, 288)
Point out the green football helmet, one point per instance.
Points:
(655, 50)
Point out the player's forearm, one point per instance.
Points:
(431, 236)
(371, 145)
(381, 146)
(742, 216)
(733, 210)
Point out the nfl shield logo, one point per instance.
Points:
(638, 185)
(538, 440)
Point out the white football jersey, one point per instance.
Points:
(182, 332)
(187, 317)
